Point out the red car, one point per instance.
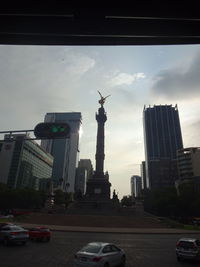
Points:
(40, 234)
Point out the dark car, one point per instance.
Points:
(39, 234)
(10, 233)
(188, 248)
(2, 224)
(196, 221)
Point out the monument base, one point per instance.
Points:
(98, 189)
(94, 207)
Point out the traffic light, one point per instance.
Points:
(52, 130)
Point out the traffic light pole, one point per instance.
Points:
(48, 130)
(18, 131)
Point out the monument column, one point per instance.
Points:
(98, 187)
(100, 156)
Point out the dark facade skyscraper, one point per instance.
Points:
(162, 137)
(65, 151)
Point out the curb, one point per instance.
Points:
(153, 231)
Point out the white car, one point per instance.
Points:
(10, 233)
(100, 254)
(188, 248)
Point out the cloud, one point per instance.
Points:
(39, 79)
(181, 82)
(121, 78)
(78, 64)
(190, 132)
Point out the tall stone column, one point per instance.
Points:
(98, 187)
(100, 156)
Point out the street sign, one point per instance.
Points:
(52, 130)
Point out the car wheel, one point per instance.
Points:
(106, 264)
(47, 239)
(178, 258)
(6, 242)
(23, 243)
(123, 261)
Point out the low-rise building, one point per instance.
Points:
(23, 162)
(188, 160)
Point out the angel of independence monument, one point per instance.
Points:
(97, 198)
(98, 187)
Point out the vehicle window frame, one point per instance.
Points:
(115, 248)
(197, 242)
(16, 228)
(107, 246)
(5, 228)
(85, 249)
(186, 244)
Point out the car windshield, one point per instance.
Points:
(95, 248)
(186, 244)
(15, 228)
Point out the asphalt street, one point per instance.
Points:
(152, 250)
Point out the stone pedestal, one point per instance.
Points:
(98, 188)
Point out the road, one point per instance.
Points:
(141, 249)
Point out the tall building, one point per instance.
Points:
(84, 172)
(87, 165)
(136, 186)
(65, 151)
(23, 163)
(143, 175)
(162, 139)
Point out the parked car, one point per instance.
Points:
(196, 221)
(188, 248)
(100, 254)
(10, 233)
(6, 216)
(39, 234)
(4, 224)
(18, 212)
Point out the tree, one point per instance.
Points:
(127, 201)
(161, 202)
(59, 197)
(78, 195)
(25, 198)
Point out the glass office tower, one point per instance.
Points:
(23, 163)
(162, 137)
(65, 151)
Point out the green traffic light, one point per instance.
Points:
(50, 130)
(56, 129)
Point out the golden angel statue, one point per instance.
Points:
(102, 100)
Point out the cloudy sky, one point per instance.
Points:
(35, 80)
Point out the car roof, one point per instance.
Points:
(102, 244)
(188, 239)
(38, 228)
(6, 224)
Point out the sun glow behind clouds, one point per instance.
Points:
(80, 132)
(125, 78)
